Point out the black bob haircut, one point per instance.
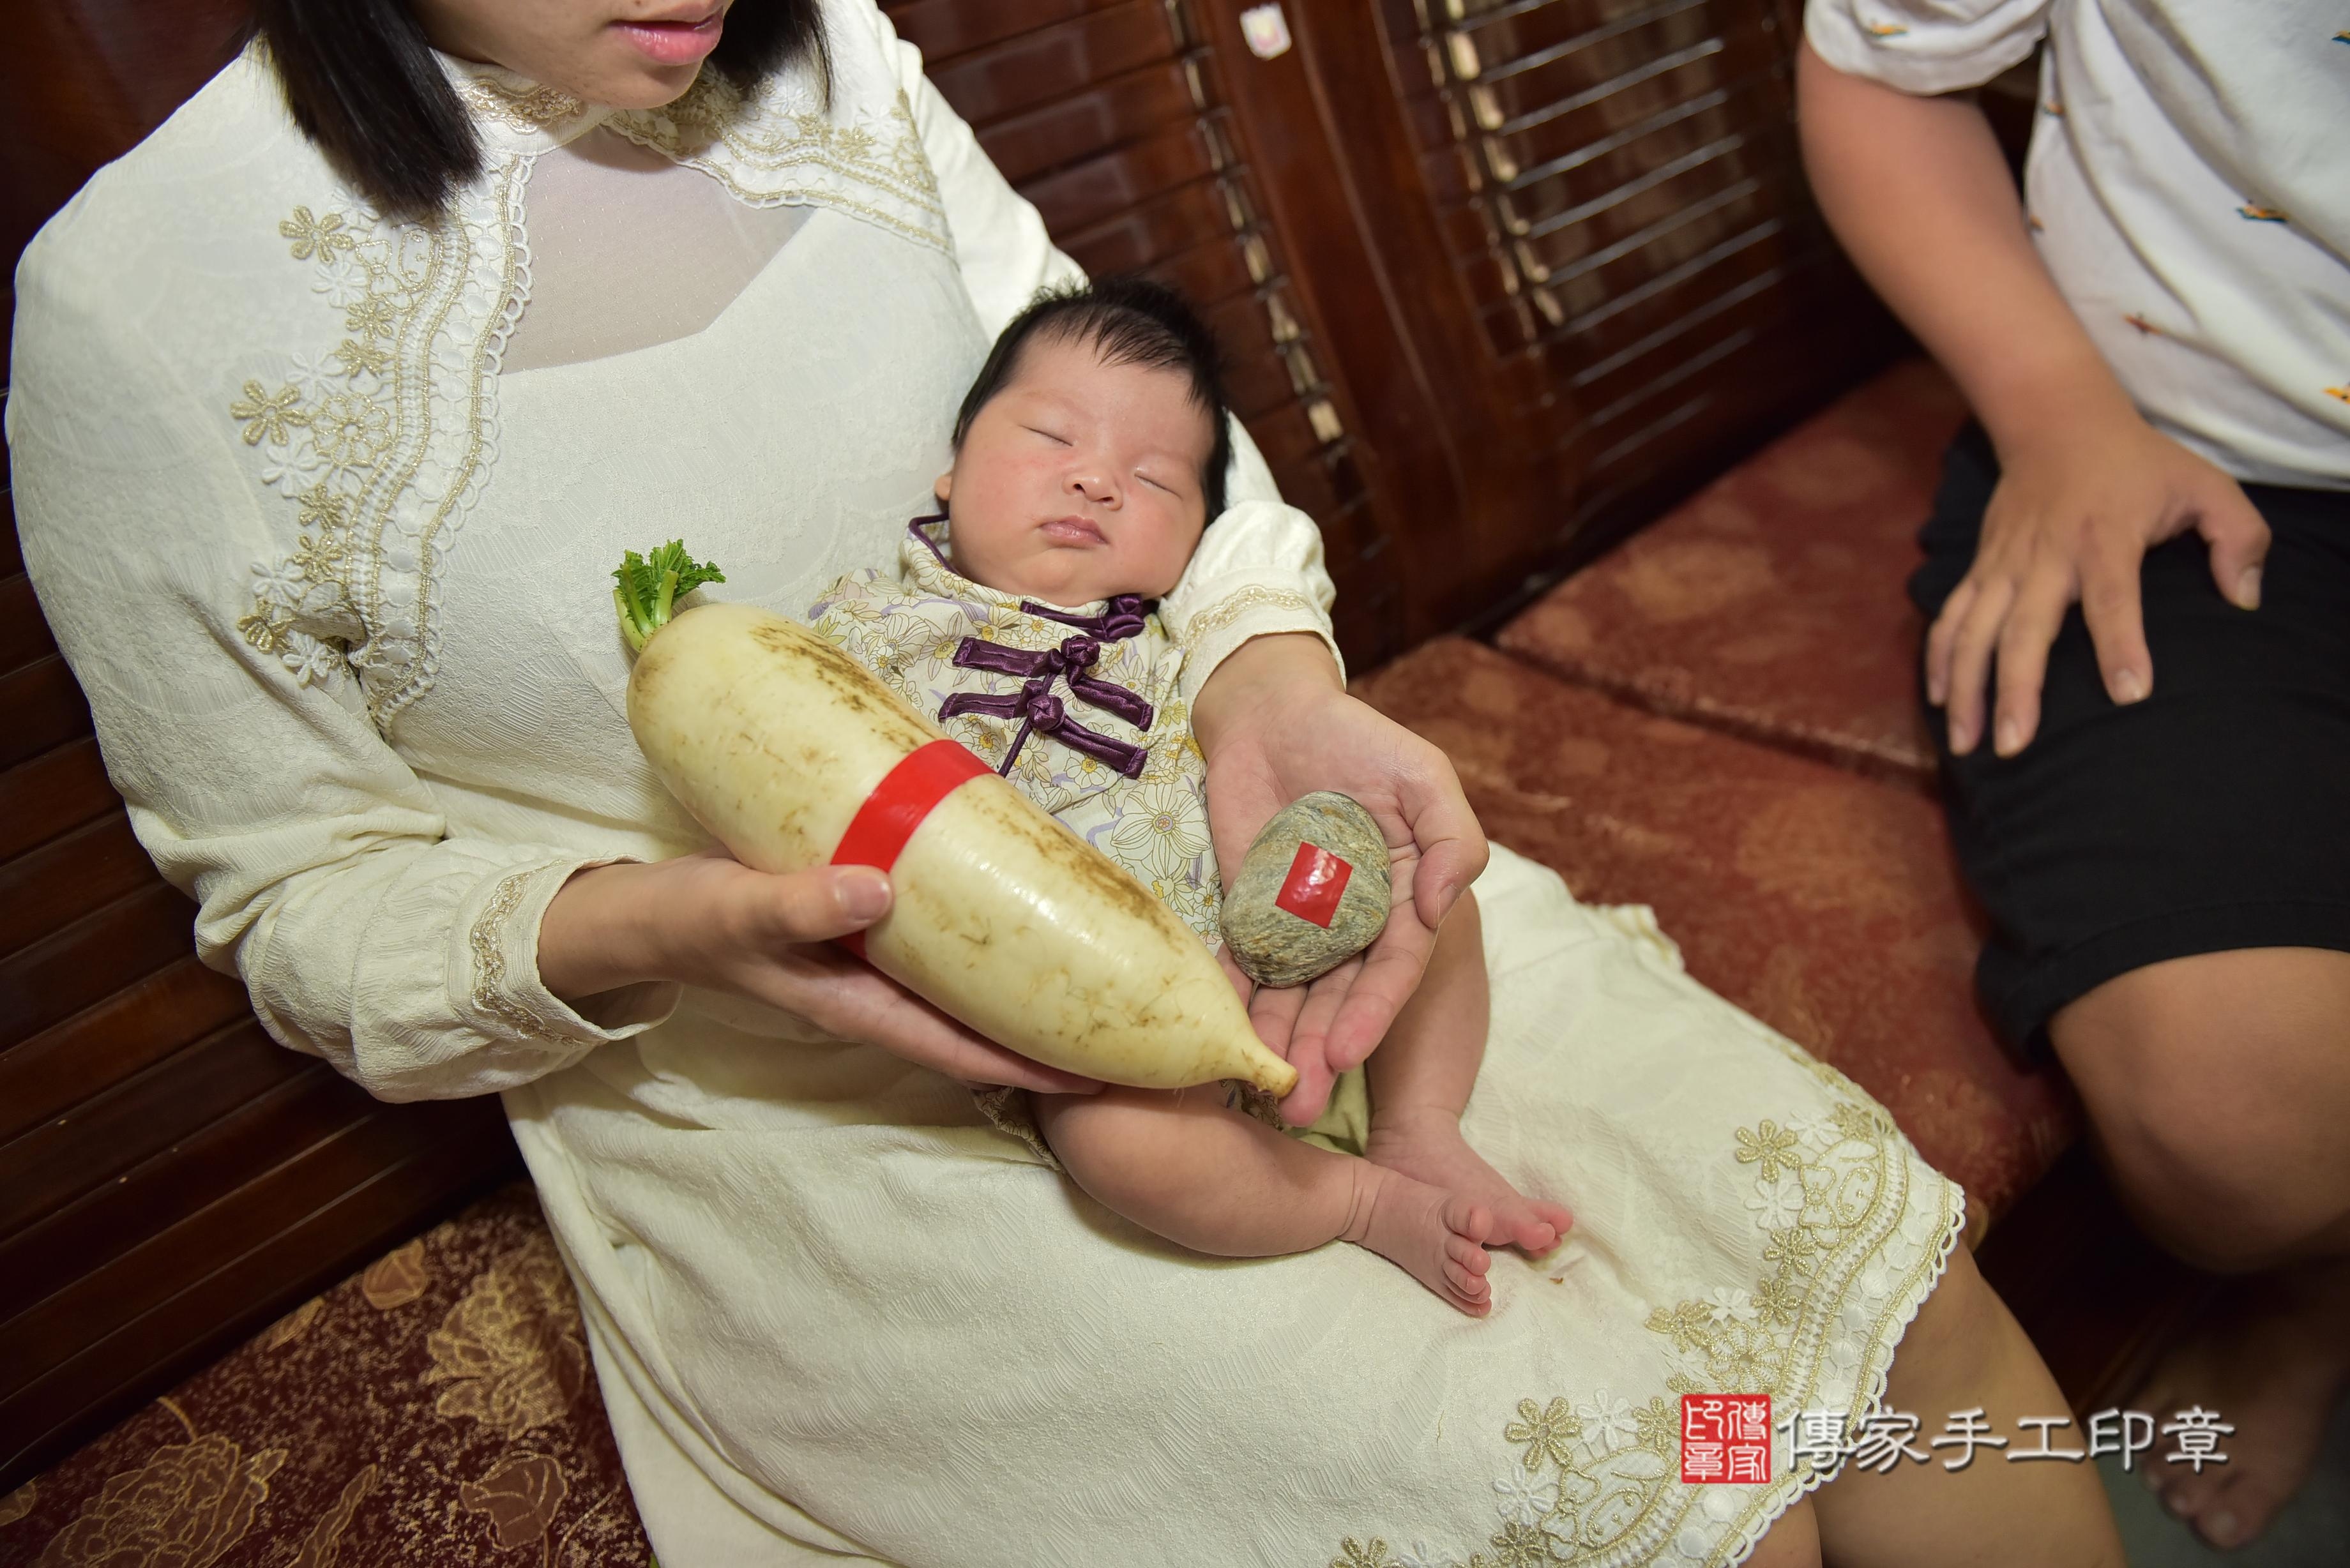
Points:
(362, 84)
(1126, 321)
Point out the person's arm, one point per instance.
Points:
(422, 965)
(321, 864)
(1917, 189)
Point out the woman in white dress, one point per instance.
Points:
(328, 430)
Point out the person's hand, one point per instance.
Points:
(1289, 737)
(708, 920)
(2072, 517)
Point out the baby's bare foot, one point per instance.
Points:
(1428, 1147)
(1435, 1236)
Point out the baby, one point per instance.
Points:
(1089, 457)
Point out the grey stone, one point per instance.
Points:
(1277, 947)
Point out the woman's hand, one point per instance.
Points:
(2077, 507)
(708, 920)
(1275, 724)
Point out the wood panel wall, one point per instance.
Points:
(170, 1178)
(1565, 253)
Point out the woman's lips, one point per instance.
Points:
(1072, 531)
(675, 43)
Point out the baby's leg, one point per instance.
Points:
(1204, 1176)
(1420, 1078)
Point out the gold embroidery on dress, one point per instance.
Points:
(766, 153)
(487, 942)
(1594, 1484)
(528, 108)
(380, 440)
(1225, 611)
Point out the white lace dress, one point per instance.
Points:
(322, 508)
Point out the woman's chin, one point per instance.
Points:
(635, 82)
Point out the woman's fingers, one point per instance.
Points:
(855, 1002)
(1323, 1000)
(819, 905)
(1451, 845)
(1391, 971)
(2238, 538)
(1273, 1010)
(1977, 635)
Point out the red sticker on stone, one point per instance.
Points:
(906, 795)
(1317, 882)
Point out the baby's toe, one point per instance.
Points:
(1460, 1252)
(1469, 1287)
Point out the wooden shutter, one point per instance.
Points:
(1585, 223)
(170, 1178)
(1112, 117)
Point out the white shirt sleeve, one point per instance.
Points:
(1258, 569)
(1925, 46)
(323, 866)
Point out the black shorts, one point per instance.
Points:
(2214, 814)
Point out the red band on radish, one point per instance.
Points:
(907, 793)
(1317, 882)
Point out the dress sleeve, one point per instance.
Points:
(323, 865)
(1925, 46)
(1258, 569)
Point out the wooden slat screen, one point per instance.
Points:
(1620, 189)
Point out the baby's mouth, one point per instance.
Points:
(1074, 530)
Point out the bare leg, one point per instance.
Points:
(1188, 1167)
(1792, 1542)
(1966, 1351)
(2217, 1085)
(1420, 1078)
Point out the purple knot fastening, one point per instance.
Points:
(1038, 710)
(1041, 712)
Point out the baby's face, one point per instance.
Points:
(1080, 481)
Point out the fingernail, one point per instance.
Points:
(2011, 736)
(864, 896)
(2127, 687)
(2153, 1481)
(2221, 1529)
(2248, 589)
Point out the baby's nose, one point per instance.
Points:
(1096, 488)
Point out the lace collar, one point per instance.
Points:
(786, 140)
(513, 113)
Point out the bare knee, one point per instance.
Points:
(1959, 1329)
(2215, 1084)
(1792, 1541)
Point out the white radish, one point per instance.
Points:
(774, 739)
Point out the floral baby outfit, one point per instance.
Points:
(1079, 709)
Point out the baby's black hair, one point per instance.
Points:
(1129, 321)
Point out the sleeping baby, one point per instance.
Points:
(1089, 457)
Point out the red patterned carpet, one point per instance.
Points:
(1771, 604)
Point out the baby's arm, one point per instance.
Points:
(1188, 1168)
